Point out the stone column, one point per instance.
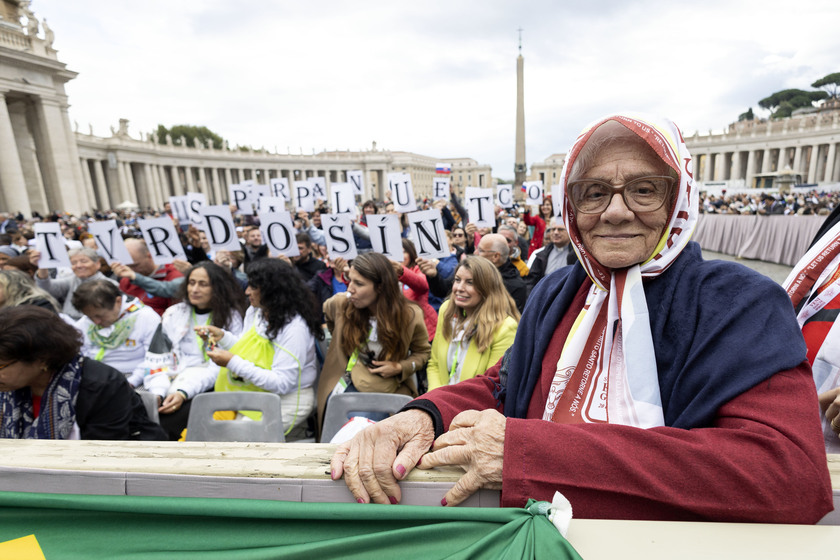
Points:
(228, 183)
(797, 160)
(83, 165)
(130, 186)
(175, 176)
(812, 165)
(102, 185)
(164, 184)
(214, 185)
(765, 160)
(61, 184)
(188, 172)
(11, 172)
(748, 176)
(737, 169)
(819, 176)
(829, 163)
(708, 167)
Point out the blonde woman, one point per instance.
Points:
(476, 324)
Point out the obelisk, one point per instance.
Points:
(519, 166)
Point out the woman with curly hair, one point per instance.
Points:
(209, 295)
(476, 324)
(276, 352)
(379, 336)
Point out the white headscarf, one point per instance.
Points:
(622, 366)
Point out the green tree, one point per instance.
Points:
(782, 103)
(830, 84)
(190, 133)
(747, 115)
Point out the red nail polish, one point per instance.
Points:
(401, 470)
(361, 501)
(443, 502)
(393, 500)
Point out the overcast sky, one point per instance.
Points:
(436, 78)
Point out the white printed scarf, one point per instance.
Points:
(625, 389)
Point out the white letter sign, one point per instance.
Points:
(402, 193)
(428, 234)
(180, 209)
(555, 200)
(342, 200)
(357, 178)
(218, 225)
(338, 233)
(533, 192)
(239, 197)
(50, 243)
(480, 206)
(440, 188)
(385, 235)
(303, 196)
(109, 242)
(280, 187)
(504, 195)
(162, 240)
(194, 203)
(319, 187)
(279, 233)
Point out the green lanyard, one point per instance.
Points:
(198, 339)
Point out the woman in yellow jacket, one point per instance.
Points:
(475, 325)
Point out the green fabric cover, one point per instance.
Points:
(139, 527)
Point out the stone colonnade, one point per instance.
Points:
(806, 144)
(120, 169)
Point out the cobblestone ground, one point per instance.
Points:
(777, 272)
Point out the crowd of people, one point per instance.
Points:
(594, 354)
(812, 202)
(247, 321)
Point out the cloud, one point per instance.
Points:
(436, 78)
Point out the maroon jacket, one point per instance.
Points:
(164, 273)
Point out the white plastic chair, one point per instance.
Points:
(339, 406)
(202, 427)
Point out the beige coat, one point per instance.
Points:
(335, 363)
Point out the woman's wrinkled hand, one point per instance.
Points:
(476, 443)
(379, 456)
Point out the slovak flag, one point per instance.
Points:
(443, 168)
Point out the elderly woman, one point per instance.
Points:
(85, 264)
(49, 391)
(644, 383)
(117, 328)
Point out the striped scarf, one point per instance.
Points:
(811, 285)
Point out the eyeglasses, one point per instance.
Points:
(645, 194)
(549, 230)
(7, 365)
